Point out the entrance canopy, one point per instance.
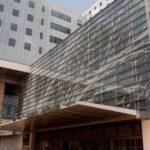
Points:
(77, 114)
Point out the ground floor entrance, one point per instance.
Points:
(125, 135)
(119, 144)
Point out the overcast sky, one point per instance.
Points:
(75, 5)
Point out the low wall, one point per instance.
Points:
(11, 142)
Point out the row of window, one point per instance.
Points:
(61, 16)
(56, 40)
(53, 12)
(31, 5)
(100, 4)
(12, 42)
(15, 12)
(95, 8)
(18, 1)
(27, 46)
(60, 28)
(14, 27)
(28, 31)
(53, 39)
(30, 18)
(53, 26)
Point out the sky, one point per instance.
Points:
(76, 5)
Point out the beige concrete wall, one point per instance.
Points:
(146, 134)
(14, 66)
(11, 142)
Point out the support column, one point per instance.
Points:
(32, 138)
(2, 90)
(32, 141)
(146, 134)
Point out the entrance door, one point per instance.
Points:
(90, 145)
(127, 144)
(114, 136)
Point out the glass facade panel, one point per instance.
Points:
(106, 61)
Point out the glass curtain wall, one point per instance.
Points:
(106, 61)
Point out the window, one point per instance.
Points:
(41, 35)
(30, 17)
(61, 16)
(13, 27)
(42, 22)
(43, 8)
(0, 22)
(79, 23)
(95, 8)
(40, 50)
(29, 31)
(31, 4)
(12, 42)
(55, 40)
(15, 12)
(18, 1)
(1, 7)
(27, 46)
(60, 28)
(100, 4)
